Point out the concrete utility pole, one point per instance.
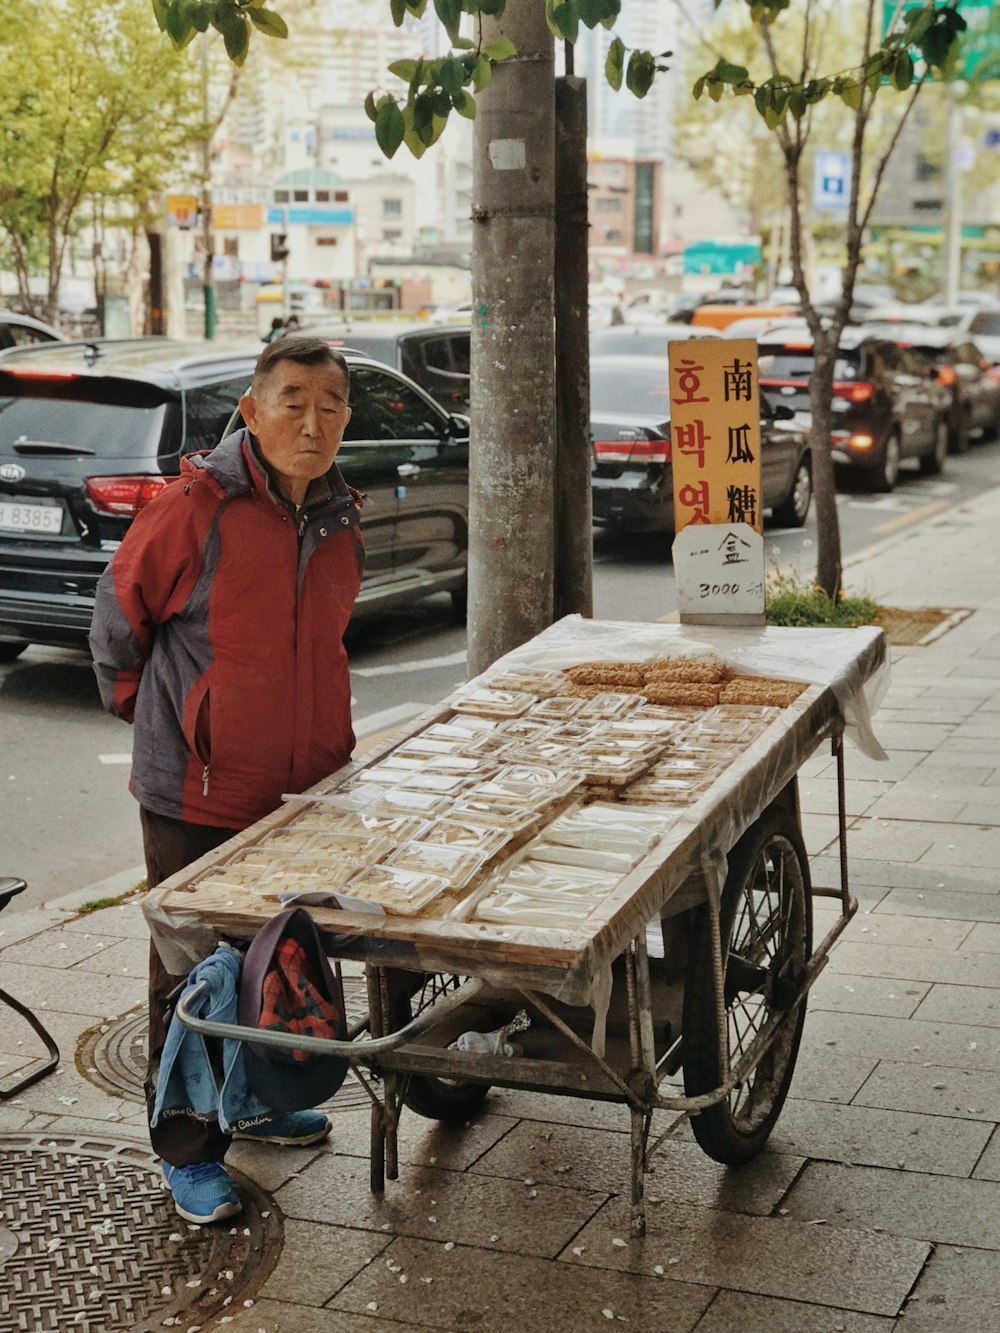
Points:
(512, 467)
(952, 265)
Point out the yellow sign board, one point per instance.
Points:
(715, 432)
(238, 217)
(182, 210)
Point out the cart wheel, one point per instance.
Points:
(450, 1100)
(766, 933)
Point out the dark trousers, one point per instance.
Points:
(170, 845)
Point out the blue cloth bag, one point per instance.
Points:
(186, 1081)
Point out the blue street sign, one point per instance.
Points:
(831, 181)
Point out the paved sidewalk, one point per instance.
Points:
(875, 1208)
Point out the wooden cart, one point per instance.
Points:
(700, 961)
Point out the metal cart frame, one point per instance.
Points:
(398, 952)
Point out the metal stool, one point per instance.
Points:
(9, 888)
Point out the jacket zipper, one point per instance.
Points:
(204, 781)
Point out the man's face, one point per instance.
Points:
(298, 415)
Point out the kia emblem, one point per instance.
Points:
(12, 472)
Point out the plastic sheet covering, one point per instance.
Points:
(848, 673)
(841, 659)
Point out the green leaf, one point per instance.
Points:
(731, 73)
(851, 93)
(640, 72)
(397, 8)
(614, 66)
(763, 98)
(450, 14)
(481, 74)
(371, 110)
(404, 69)
(451, 76)
(236, 35)
(797, 103)
(465, 105)
(697, 89)
(200, 16)
(715, 90)
(176, 21)
(563, 19)
(160, 8)
(267, 22)
(902, 74)
(389, 127)
(501, 49)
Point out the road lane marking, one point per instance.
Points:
(115, 758)
(387, 717)
(419, 664)
(913, 516)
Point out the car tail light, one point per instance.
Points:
(632, 451)
(854, 393)
(124, 496)
(861, 441)
(16, 373)
(947, 376)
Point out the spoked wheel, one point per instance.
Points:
(450, 1100)
(766, 933)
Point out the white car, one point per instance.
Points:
(24, 331)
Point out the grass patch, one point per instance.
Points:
(789, 600)
(99, 904)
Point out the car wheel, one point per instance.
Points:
(8, 651)
(886, 473)
(931, 464)
(958, 430)
(794, 509)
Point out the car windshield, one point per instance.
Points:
(617, 388)
(88, 418)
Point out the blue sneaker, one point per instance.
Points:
(296, 1129)
(204, 1192)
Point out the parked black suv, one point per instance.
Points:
(885, 407)
(90, 432)
(435, 356)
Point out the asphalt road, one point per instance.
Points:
(68, 821)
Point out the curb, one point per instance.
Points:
(111, 887)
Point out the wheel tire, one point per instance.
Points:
(958, 431)
(766, 928)
(794, 509)
(8, 651)
(449, 1100)
(884, 477)
(933, 463)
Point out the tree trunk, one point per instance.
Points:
(829, 563)
(574, 545)
(512, 465)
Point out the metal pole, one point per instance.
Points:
(512, 462)
(573, 506)
(953, 200)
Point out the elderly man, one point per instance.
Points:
(218, 633)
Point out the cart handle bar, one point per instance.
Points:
(288, 1041)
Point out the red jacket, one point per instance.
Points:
(218, 630)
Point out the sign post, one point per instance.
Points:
(718, 550)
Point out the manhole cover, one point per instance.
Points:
(113, 1055)
(89, 1241)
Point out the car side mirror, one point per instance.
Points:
(782, 412)
(458, 425)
